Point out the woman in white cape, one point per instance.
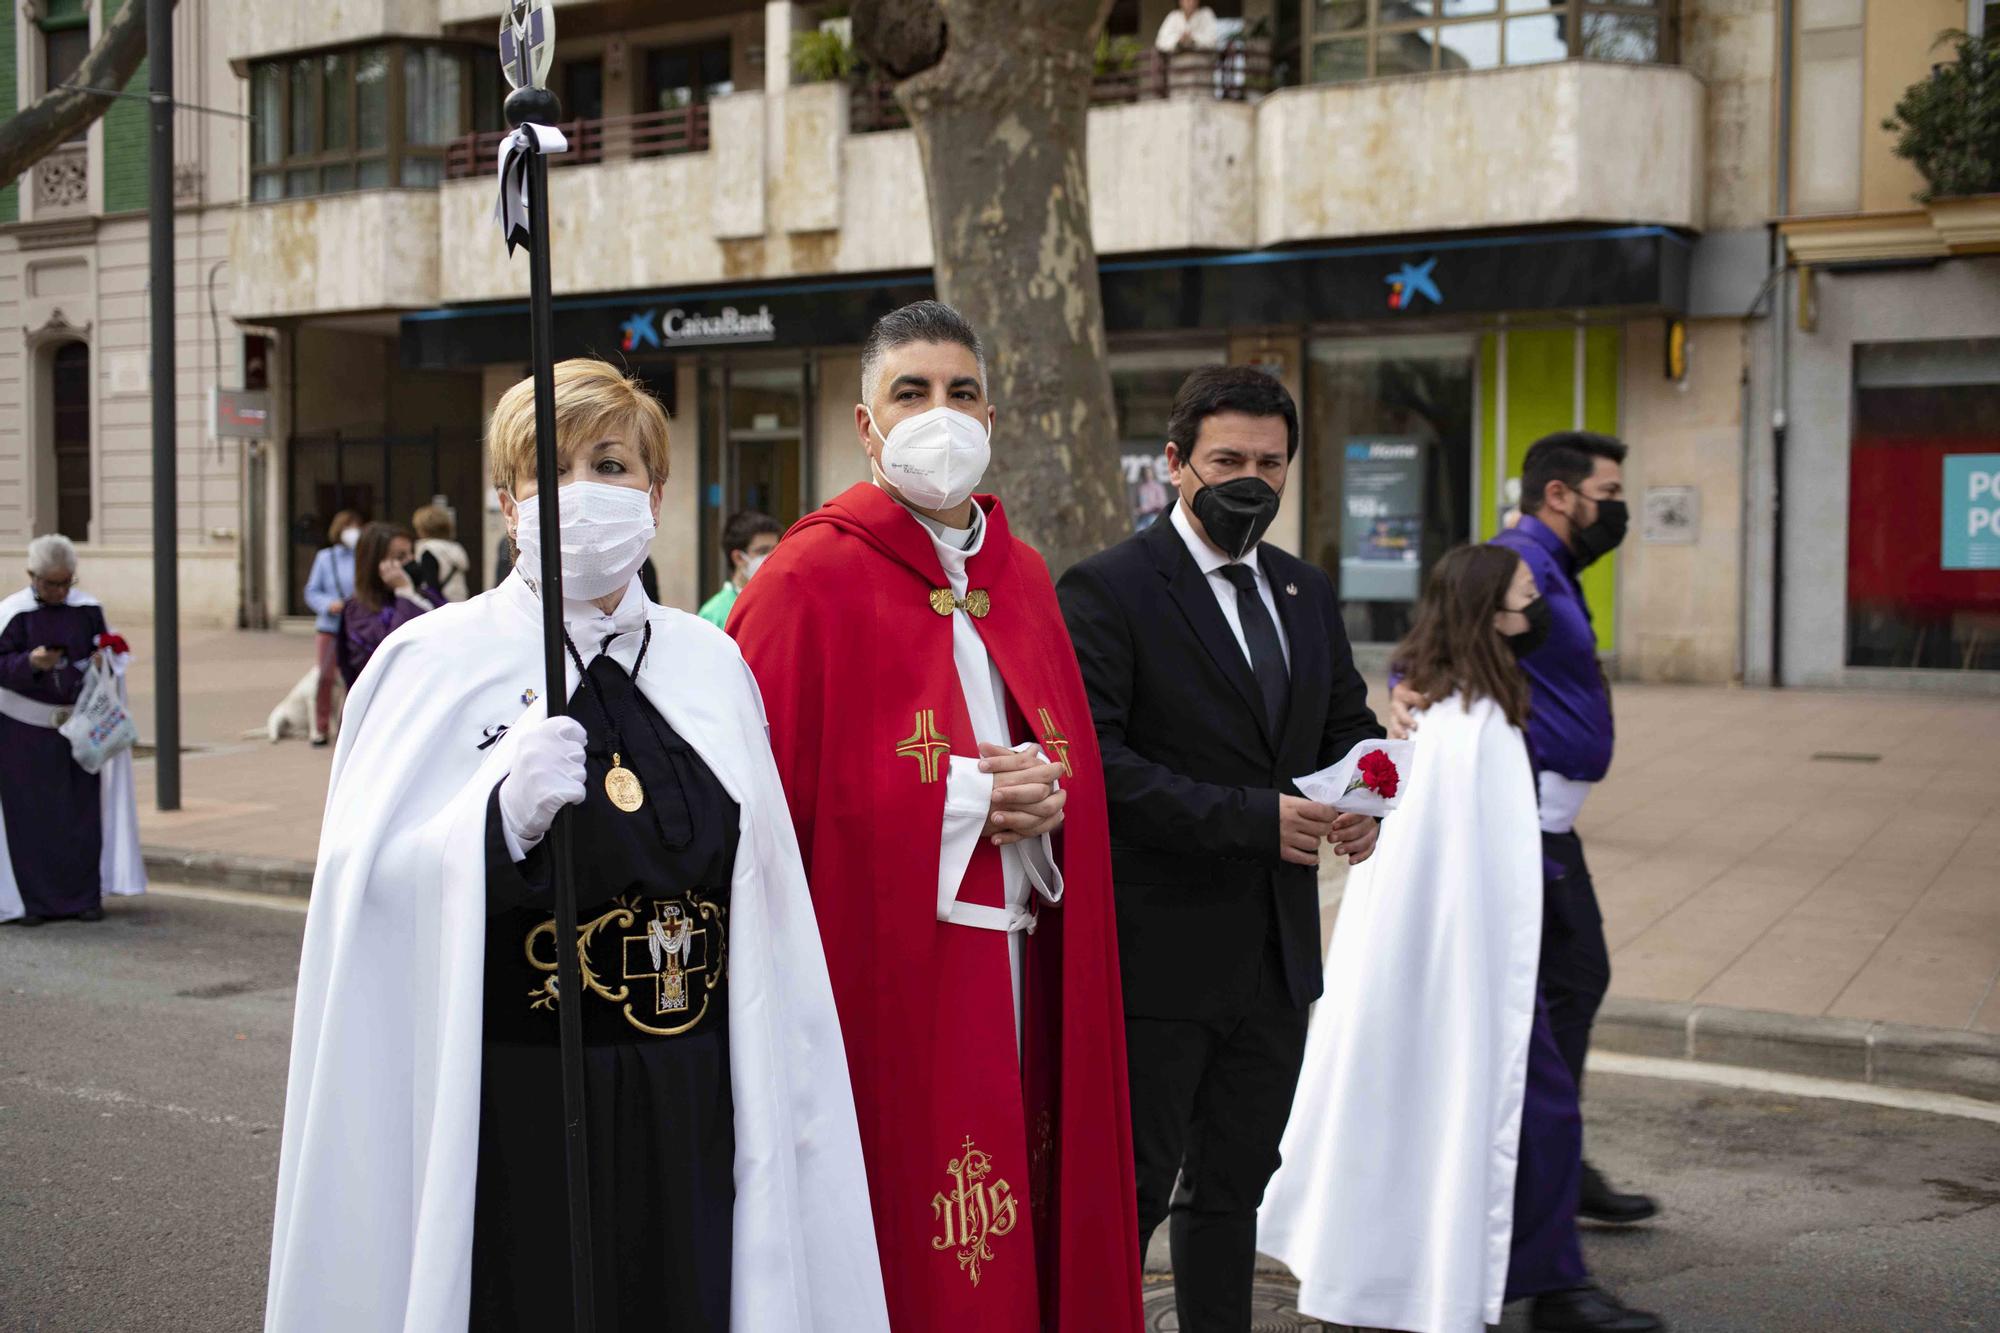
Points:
(1432, 1156)
(422, 1123)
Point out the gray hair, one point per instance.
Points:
(917, 322)
(49, 553)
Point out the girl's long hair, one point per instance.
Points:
(1452, 646)
(369, 553)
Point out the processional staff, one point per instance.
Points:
(527, 49)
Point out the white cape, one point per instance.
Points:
(375, 1179)
(1395, 1204)
(121, 866)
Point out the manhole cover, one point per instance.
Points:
(1270, 1308)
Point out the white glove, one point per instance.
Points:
(547, 775)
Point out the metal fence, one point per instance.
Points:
(682, 129)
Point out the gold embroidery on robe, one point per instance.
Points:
(973, 1214)
(675, 944)
(927, 745)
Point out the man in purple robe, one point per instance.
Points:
(52, 809)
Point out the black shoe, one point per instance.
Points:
(319, 742)
(91, 914)
(1589, 1309)
(31, 920)
(1600, 1203)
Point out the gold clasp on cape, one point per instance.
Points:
(977, 602)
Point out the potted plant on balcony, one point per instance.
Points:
(1948, 126)
(822, 55)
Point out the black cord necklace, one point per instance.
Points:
(621, 784)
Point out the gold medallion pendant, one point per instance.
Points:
(621, 784)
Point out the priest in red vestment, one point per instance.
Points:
(939, 757)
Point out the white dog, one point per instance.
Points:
(293, 715)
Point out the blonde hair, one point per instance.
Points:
(594, 399)
(432, 521)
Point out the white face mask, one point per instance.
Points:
(935, 458)
(350, 537)
(606, 533)
(751, 564)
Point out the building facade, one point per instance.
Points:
(1448, 236)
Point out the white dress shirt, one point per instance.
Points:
(1211, 562)
(1027, 867)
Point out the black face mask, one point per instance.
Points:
(1537, 632)
(1235, 514)
(1601, 538)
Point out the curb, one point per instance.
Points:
(1854, 1050)
(220, 870)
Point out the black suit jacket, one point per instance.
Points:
(1193, 771)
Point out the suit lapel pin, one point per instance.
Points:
(528, 697)
(1291, 590)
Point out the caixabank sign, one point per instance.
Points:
(1626, 269)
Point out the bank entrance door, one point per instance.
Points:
(755, 450)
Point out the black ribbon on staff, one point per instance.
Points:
(523, 214)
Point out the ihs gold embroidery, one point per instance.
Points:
(973, 1214)
(670, 952)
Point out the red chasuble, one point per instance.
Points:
(1001, 1178)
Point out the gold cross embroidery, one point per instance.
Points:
(668, 950)
(1055, 742)
(927, 745)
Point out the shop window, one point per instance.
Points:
(361, 118)
(1350, 40)
(1388, 453)
(1143, 385)
(1923, 527)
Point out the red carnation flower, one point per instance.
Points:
(115, 642)
(1377, 772)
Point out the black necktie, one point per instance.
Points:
(1267, 656)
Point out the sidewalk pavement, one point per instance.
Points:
(1796, 879)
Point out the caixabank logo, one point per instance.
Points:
(679, 327)
(1411, 281)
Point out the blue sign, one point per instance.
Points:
(1410, 281)
(1971, 511)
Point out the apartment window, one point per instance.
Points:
(359, 118)
(65, 34)
(1348, 40)
(683, 76)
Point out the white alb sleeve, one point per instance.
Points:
(968, 795)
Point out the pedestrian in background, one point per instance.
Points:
(67, 837)
(1572, 514)
(1218, 670)
(1433, 1093)
(748, 538)
(387, 595)
(328, 587)
(444, 563)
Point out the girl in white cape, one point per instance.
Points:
(1434, 1150)
(421, 1181)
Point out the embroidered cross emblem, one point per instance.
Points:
(1055, 742)
(927, 745)
(665, 953)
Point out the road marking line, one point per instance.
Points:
(112, 1097)
(1795, 1085)
(238, 897)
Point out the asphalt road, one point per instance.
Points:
(141, 1087)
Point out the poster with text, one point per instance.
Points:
(1382, 519)
(1971, 537)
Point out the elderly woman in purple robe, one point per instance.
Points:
(386, 596)
(52, 809)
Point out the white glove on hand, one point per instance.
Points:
(547, 775)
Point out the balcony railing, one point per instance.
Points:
(1237, 72)
(682, 129)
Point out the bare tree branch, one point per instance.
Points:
(59, 114)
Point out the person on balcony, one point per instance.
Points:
(1191, 27)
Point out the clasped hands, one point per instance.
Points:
(1303, 825)
(1026, 801)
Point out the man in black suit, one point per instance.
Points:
(1218, 671)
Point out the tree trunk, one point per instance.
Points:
(1001, 121)
(62, 112)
